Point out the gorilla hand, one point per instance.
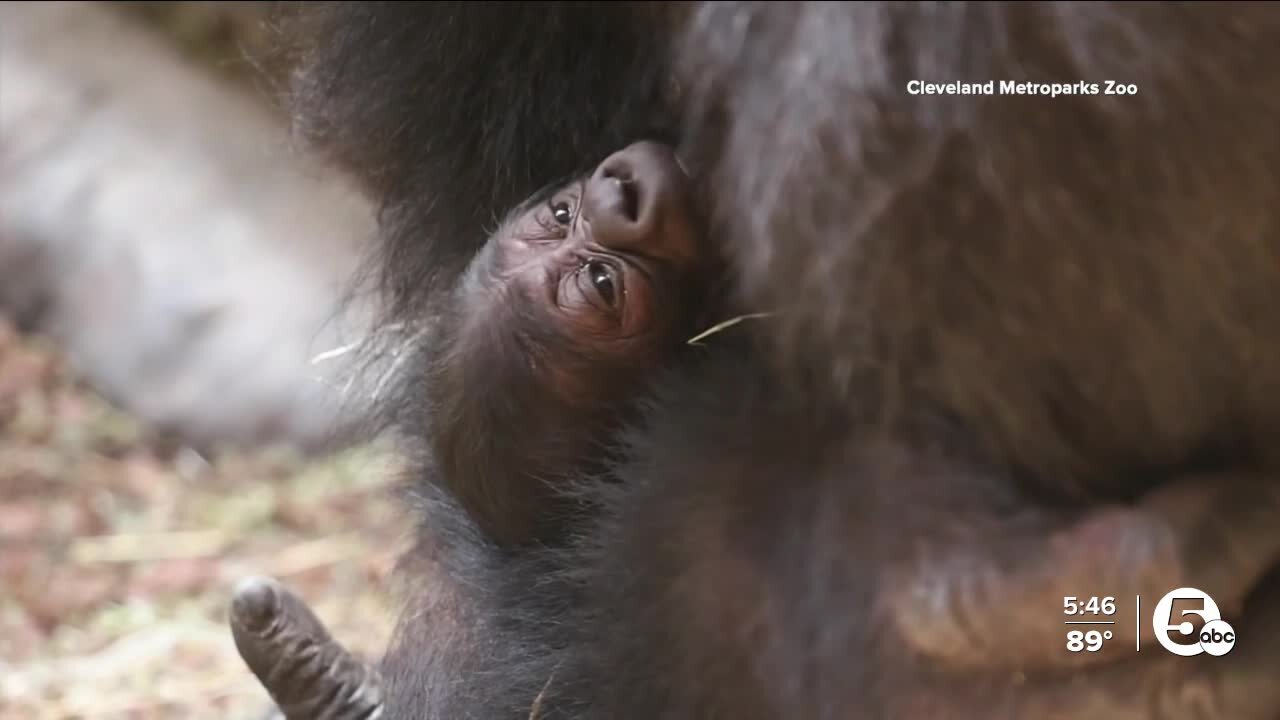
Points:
(996, 598)
(306, 672)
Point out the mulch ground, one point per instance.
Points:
(118, 552)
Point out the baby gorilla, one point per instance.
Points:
(573, 304)
(581, 296)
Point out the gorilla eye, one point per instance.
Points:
(561, 212)
(601, 276)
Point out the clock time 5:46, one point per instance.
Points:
(1072, 605)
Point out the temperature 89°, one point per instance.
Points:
(1072, 605)
(1090, 641)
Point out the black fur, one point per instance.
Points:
(1071, 293)
(452, 113)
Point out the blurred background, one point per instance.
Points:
(178, 407)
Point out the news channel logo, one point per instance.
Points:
(1175, 631)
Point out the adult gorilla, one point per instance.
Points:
(990, 316)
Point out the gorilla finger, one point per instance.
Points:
(1238, 686)
(1151, 685)
(1225, 525)
(306, 672)
(1156, 685)
(1000, 599)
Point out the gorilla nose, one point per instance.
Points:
(638, 200)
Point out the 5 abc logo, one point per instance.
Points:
(1171, 622)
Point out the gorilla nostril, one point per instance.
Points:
(628, 199)
(622, 185)
(617, 171)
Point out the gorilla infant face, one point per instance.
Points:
(605, 269)
(577, 299)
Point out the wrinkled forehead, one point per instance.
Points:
(496, 317)
(514, 220)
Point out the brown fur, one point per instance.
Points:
(1066, 300)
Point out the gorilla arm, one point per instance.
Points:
(732, 602)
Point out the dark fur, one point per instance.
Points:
(1075, 294)
(507, 437)
(413, 111)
